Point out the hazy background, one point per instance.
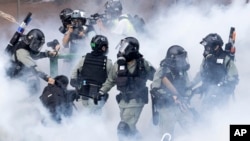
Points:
(178, 23)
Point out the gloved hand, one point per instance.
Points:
(100, 96)
(72, 95)
(51, 53)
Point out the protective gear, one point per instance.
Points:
(100, 97)
(35, 39)
(210, 43)
(97, 42)
(65, 16)
(123, 129)
(95, 76)
(78, 18)
(176, 59)
(129, 48)
(113, 8)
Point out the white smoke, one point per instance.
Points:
(21, 114)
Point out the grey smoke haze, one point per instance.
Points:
(182, 25)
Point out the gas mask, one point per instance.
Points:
(180, 63)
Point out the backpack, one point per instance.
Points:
(53, 96)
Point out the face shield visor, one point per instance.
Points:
(122, 46)
(181, 62)
(127, 51)
(209, 48)
(177, 63)
(36, 45)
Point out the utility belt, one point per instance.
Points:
(141, 94)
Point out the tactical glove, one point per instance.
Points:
(100, 96)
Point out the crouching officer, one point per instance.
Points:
(91, 72)
(23, 55)
(130, 74)
(57, 99)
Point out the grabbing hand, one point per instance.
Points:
(100, 96)
(97, 97)
(52, 53)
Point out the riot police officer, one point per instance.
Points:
(170, 96)
(91, 71)
(115, 21)
(130, 74)
(218, 73)
(23, 65)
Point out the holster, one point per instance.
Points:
(145, 95)
(161, 100)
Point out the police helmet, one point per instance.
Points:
(79, 15)
(35, 39)
(97, 42)
(129, 48)
(113, 7)
(176, 59)
(211, 42)
(65, 14)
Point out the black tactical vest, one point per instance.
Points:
(134, 82)
(94, 69)
(214, 69)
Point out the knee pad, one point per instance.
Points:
(123, 129)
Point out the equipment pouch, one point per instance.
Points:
(93, 90)
(84, 91)
(121, 81)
